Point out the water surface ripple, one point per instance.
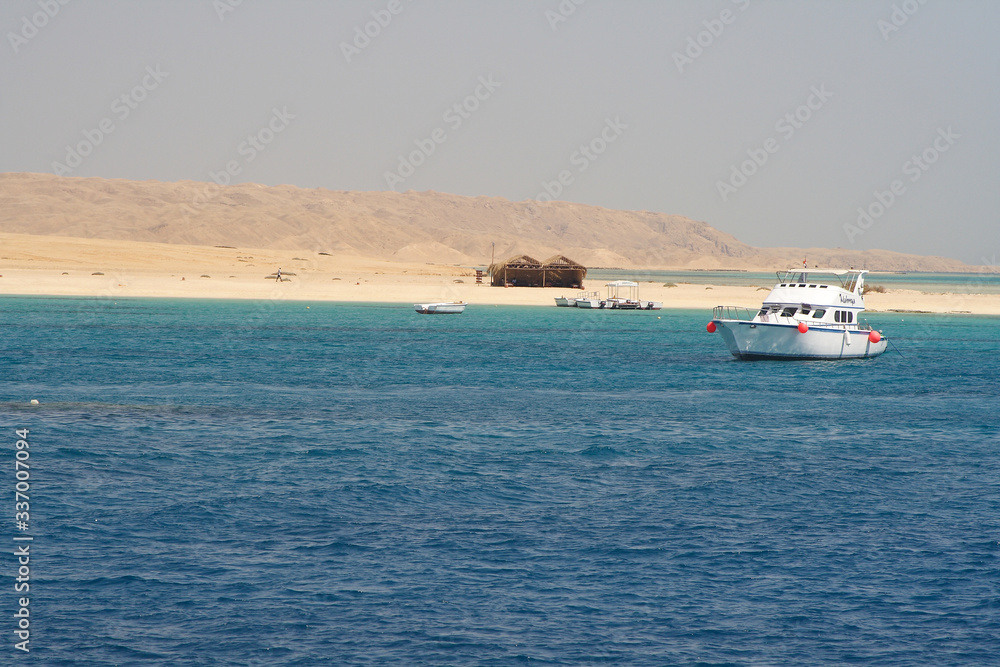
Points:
(229, 483)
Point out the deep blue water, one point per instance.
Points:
(238, 483)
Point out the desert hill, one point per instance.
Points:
(410, 227)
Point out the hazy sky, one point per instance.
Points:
(775, 121)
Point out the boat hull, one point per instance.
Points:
(619, 304)
(759, 340)
(439, 308)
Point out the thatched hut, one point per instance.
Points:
(525, 271)
(520, 271)
(561, 271)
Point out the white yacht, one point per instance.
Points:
(810, 314)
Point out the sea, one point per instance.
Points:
(304, 483)
(985, 282)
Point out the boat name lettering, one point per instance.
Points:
(847, 299)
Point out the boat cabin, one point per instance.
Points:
(815, 296)
(850, 281)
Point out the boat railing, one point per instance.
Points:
(818, 324)
(741, 314)
(732, 313)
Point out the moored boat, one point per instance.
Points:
(573, 302)
(440, 308)
(809, 314)
(624, 295)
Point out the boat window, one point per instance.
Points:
(804, 311)
(836, 316)
(819, 313)
(788, 312)
(762, 313)
(823, 286)
(850, 316)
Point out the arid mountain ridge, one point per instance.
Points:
(411, 226)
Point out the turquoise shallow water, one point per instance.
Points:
(952, 283)
(239, 483)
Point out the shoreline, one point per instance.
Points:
(65, 266)
(405, 288)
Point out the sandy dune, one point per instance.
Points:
(413, 227)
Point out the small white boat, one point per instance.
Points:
(809, 314)
(589, 302)
(440, 308)
(575, 301)
(624, 295)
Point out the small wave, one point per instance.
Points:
(600, 452)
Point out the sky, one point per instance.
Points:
(852, 124)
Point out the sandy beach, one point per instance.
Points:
(36, 265)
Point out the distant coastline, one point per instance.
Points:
(414, 227)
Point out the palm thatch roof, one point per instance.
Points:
(519, 262)
(525, 271)
(563, 262)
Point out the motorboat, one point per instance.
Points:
(624, 295)
(440, 308)
(809, 314)
(574, 301)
